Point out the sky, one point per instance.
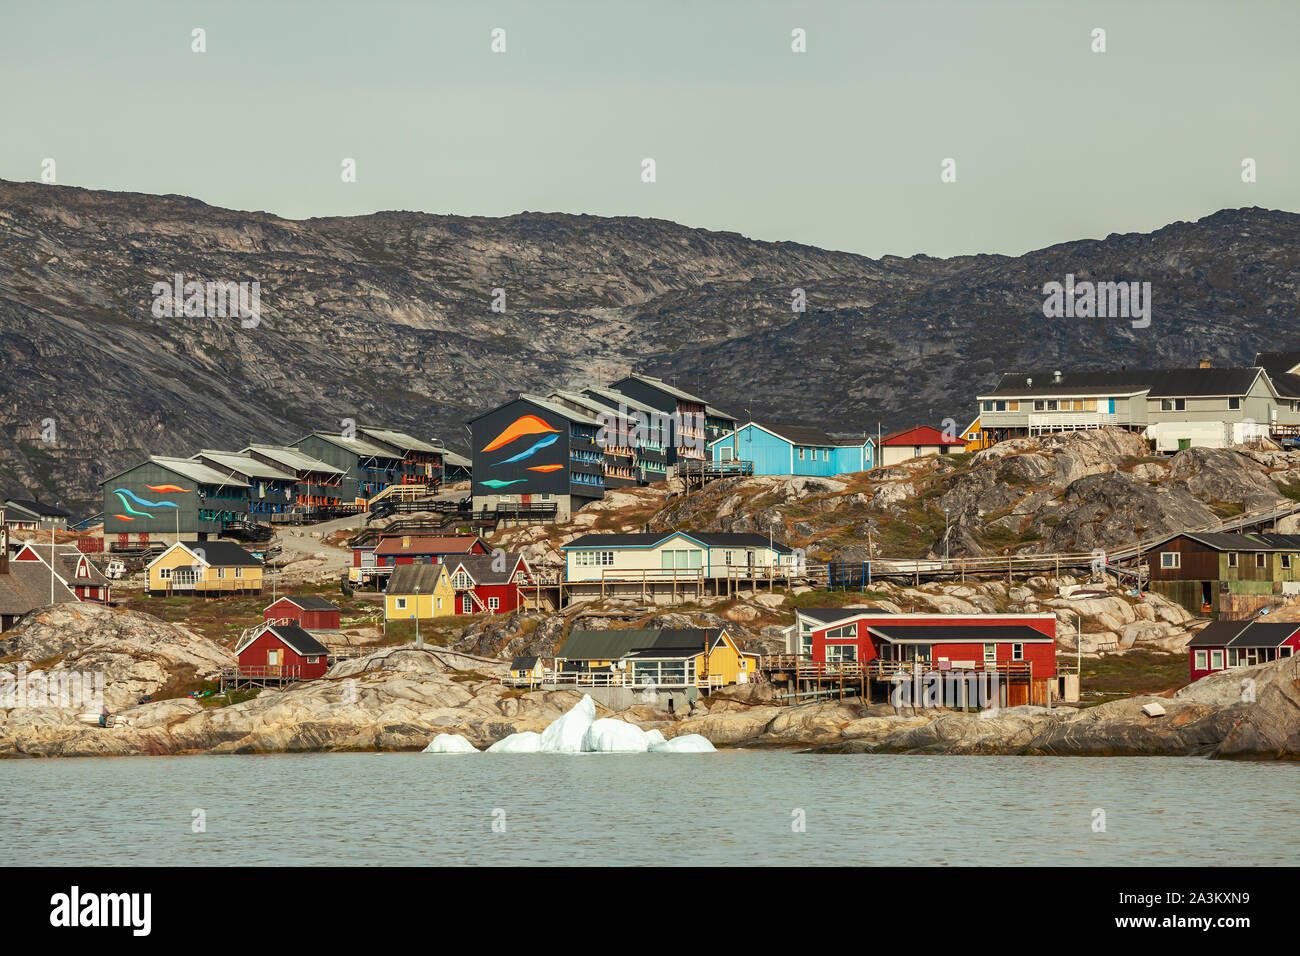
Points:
(841, 146)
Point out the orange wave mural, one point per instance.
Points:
(123, 517)
(523, 425)
(167, 488)
(545, 467)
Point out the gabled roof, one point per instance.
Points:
(797, 435)
(1251, 541)
(355, 445)
(293, 459)
(450, 458)
(524, 662)
(240, 464)
(291, 635)
(829, 615)
(480, 567)
(216, 554)
(32, 506)
(67, 560)
(612, 400)
(308, 602)
(1284, 369)
(399, 440)
(407, 577)
(960, 634)
(922, 435)
(586, 403)
(710, 539)
(426, 544)
(572, 414)
(663, 386)
(27, 587)
(612, 645)
(1262, 634)
(1218, 633)
(185, 468)
(1157, 383)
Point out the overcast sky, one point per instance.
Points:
(839, 147)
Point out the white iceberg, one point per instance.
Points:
(525, 742)
(685, 744)
(450, 744)
(653, 737)
(565, 734)
(608, 735)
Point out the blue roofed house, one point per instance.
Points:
(793, 450)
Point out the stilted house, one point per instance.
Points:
(282, 651)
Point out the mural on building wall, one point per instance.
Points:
(531, 454)
(521, 426)
(123, 494)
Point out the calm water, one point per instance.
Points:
(725, 808)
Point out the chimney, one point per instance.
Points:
(1205, 363)
(1056, 377)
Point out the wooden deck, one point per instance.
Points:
(239, 677)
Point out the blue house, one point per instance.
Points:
(793, 450)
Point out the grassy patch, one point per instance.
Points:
(1126, 675)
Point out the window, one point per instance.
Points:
(165, 573)
(680, 560)
(1216, 660)
(401, 604)
(461, 581)
(1171, 559)
(314, 659)
(239, 572)
(1017, 652)
(591, 559)
(221, 573)
(801, 454)
(494, 604)
(838, 653)
(988, 406)
(1039, 406)
(842, 632)
(1260, 559)
(990, 653)
(1234, 403)
(439, 604)
(466, 604)
(1232, 559)
(1000, 406)
(1200, 660)
(1286, 562)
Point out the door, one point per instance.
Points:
(1207, 595)
(274, 659)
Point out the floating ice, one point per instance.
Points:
(525, 742)
(653, 737)
(450, 744)
(608, 735)
(685, 744)
(565, 735)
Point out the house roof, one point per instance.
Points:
(1157, 383)
(308, 602)
(612, 399)
(570, 413)
(1261, 634)
(920, 435)
(451, 458)
(612, 645)
(1217, 633)
(293, 636)
(399, 440)
(355, 445)
(241, 464)
(798, 435)
(407, 577)
(186, 468)
(960, 634)
(479, 567)
(32, 506)
(293, 459)
(27, 587)
(1231, 541)
(426, 544)
(710, 539)
(1284, 369)
(217, 554)
(663, 386)
(592, 406)
(524, 663)
(829, 615)
(67, 559)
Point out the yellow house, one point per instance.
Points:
(205, 567)
(973, 436)
(527, 668)
(680, 657)
(419, 590)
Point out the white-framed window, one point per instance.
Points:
(842, 632)
(838, 653)
(1171, 559)
(461, 581)
(1201, 660)
(990, 653)
(466, 604)
(801, 454)
(401, 604)
(165, 573)
(1232, 559)
(680, 559)
(1286, 562)
(494, 604)
(439, 603)
(314, 659)
(221, 573)
(239, 572)
(1261, 559)
(1216, 660)
(593, 559)
(1234, 402)
(1017, 652)
(826, 454)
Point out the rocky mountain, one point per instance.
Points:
(389, 318)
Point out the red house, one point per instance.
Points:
(1224, 644)
(917, 441)
(282, 651)
(72, 568)
(311, 613)
(482, 589)
(1021, 646)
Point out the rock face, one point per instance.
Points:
(136, 653)
(410, 293)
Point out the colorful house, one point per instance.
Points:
(684, 657)
(208, 568)
(422, 462)
(318, 487)
(675, 554)
(527, 668)
(917, 442)
(28, 514)
(368, 467)
(630, 437)
(793, 450)
(974, 437)
(420, 591)
(489, 584)
(25, 585)
(1208, 573)
(309, 612)
(1221, 645)
(533, 451)
(72, 568)
(282, 651)
(272, 491)
(689, 413)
